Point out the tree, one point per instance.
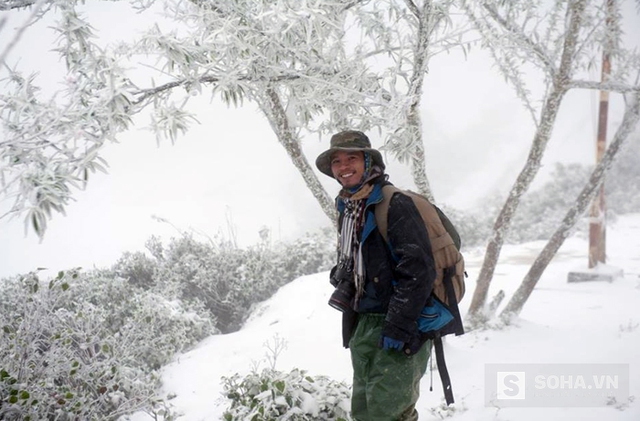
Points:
(288, 58)
(629, 122)
(401, 37)
(560, 43)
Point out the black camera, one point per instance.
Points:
(342, 279)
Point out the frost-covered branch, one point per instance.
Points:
(236, 50)
(517, 32)
(145, 94)
(501, 54)
(610, 86)
(19, 4)
(16, 37)
(413, 8)
(400, 37)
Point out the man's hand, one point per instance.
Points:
(390, 343)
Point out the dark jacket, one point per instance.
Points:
(399, 276)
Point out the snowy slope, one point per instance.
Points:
(595, 322)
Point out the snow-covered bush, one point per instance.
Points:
(272, 395)
(138, 268)
(541, 210)
(224, 279)
(474, 227)
(537, 217)
(622, 184)
(83, 346)
(312, 253)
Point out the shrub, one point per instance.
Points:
(225, 280)
(85, 347)
(541, 210)
(272, 395)
(622, 184)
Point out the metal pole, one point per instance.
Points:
(597, 224)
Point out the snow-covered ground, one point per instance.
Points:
(589, 323)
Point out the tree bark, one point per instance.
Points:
(276, 114)
(414, 122)
(531, 167)
(418, 170)
(629, 121)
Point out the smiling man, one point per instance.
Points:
(381, 285)
(348, 167)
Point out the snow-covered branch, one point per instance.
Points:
(517, 32)
(610, 86)
(499, 50)
(413, 8)
(145, 94)
(237, 50)
(18, 4)
(18, 34)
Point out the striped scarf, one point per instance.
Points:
(353, 219)
(349, 246)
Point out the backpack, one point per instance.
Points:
(441, 315)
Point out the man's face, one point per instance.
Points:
(348, 167)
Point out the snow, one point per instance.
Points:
(590, 323)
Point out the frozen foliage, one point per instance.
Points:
(400, 38)
(83, 346)
(223, 279)
(88, 345)
(272, 394)
(622, 185)
(542, 209)
(286, 57)
(312, 66)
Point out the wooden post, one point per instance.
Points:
(597, 224)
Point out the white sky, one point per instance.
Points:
(231, 167)
(562, 323)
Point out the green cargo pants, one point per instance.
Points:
(386, 384)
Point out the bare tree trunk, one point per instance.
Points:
(531, 167)
(418, 163)
(503, 222)
(629, 121)
(414, 122)
(277, 117)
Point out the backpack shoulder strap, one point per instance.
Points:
(442, 369)
(438, 235)
(382, 209)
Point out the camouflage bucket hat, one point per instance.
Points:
(348, 140)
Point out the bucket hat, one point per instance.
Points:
(348, 140)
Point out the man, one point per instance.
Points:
(381, 286)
